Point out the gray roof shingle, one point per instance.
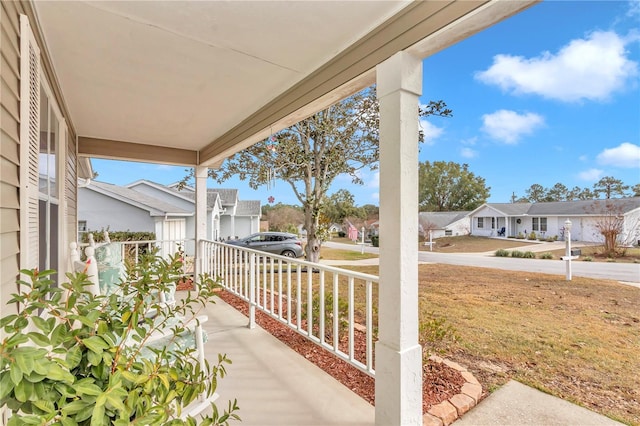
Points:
(152, 204)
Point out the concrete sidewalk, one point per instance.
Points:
(517, 404)
(273, 384)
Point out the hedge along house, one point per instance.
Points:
(547, 219)
(190, 84)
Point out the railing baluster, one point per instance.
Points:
(280, 289)
(271, 278)
(289, 293)
(310, 301)
(298, 297)
(369, 320)
(336, 313)
(252, 290)
(351, 319)
(321, 313)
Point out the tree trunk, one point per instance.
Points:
(312, 250)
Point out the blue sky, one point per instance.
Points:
(550, 95)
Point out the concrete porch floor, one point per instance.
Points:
(273, 384)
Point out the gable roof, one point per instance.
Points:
(135, 198)
(442, 219)
(169, 189)
(566, 208)
(248, 208)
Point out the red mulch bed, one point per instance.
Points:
(440, 382)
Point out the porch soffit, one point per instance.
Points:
(199, 81)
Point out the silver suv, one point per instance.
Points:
(281, 243)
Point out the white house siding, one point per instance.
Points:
(487, 230)
(246, 225)
(631, 233)
(10, 184)
(102, 212)
(9, 156)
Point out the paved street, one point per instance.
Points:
(625, 272)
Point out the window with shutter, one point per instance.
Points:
(29, 145)
(42, 153)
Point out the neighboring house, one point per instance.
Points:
(443, 224)
(547, 219)
(170, 213)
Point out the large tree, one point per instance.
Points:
(283, 217)
(449, 186)
(340, 205)
(610, 187)
(309, 155)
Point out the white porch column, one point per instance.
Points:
(398, 352)
(201, 216)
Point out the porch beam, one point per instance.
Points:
(129, 151)
(347, 73)
(398, 353)
(201, 174)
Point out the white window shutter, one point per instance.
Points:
(29, 144)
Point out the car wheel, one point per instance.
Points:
(288, 253)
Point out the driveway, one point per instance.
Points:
(625, 272)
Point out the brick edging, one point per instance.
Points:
(448, 411)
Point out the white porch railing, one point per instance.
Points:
(132, 250)
(333, 307)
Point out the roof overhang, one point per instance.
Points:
(191, 83)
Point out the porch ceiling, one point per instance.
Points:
(200, 80)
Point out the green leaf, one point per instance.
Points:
(39, 338)
(7, 320)
(16, 373)
(42, 324)
(66, 421)
(95, 344)
(75, 407)
(24, 358)
(59, 374)
(6, 384)
(58, 335)
(87, 387)
(16, 340)
(94, 358)
(46, 406)
(24, 391)
(73, 357)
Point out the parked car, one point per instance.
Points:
(281, 243)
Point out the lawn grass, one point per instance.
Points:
(577, 340)
(471, 244)
(328, 253)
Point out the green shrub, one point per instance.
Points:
(502, 253)
(529, 255)
(532, 236)
(517, 253)
(520, 236)
(551, 239)
(587, 259)
(546, 255)
(435, 334)
(73, 358)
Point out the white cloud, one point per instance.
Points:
(468, 153)
(634, 8)
(583, 158)
(591, 68)
(591, 175)
(431, 131)
(375, 196)
(625, 155)
(373, 180)
(509, 126)
(470, 142)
